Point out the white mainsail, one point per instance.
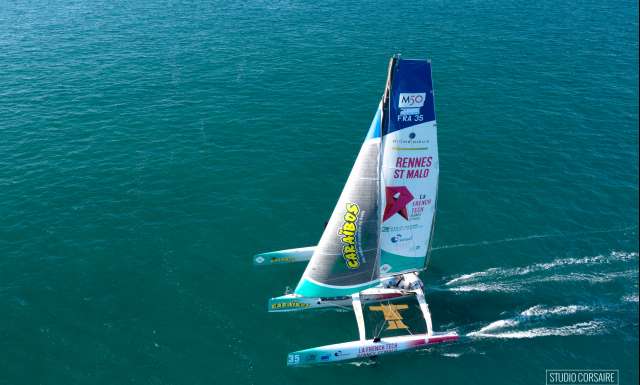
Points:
(409, 169)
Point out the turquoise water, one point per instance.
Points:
(149, 149)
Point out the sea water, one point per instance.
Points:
(148, 149)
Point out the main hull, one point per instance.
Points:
(363, 349)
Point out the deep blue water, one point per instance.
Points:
(149, 149)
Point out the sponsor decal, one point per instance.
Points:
(412, 167)
(409, 105)
(281, 259)
(393, 229)
(348, 236)
(293, 359)
(409, 111)
(325, 357)
(400, 144)
(419, 205)
(289, 305)
(412, 140)
(392, 315)
(411, 100)
(374, 350)
(400, 238)
(413, 162)
(397, 199)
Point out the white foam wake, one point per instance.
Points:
(472, 276)
(615, 256)
(487, 287)
(537, 312)
(361, 363)
(545, 311)
(533, 236)
(583, 328)
(496, 325)
(521, 286)
(592, 278)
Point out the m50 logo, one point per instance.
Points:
(407, 100)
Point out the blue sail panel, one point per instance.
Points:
(411, 96)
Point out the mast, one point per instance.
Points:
(386, 94)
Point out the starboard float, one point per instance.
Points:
(379, 235)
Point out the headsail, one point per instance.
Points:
(346, 258)
(409, 169)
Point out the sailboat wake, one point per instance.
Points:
(516, 279)
(594, 327)
(534, 236)
(581, 280)
(534, 318)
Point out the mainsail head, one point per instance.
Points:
(384, 217)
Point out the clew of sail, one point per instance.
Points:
(345, 261)
(409, 169)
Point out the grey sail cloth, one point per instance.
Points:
(344, 257)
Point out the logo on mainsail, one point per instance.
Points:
(411, 100)
(397, 199)
(348, 234)
(400, 238)
(410, 104)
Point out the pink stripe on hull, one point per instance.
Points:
(416, 343)
(390, 295)
(437, 340)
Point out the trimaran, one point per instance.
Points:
(379, 235)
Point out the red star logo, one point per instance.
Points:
(397, 199)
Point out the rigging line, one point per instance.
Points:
(534, 236)
(375, 273)
(377, 329)
(380, 328)
(381, 324)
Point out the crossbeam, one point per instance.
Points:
(425, 311)
(357, 309)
